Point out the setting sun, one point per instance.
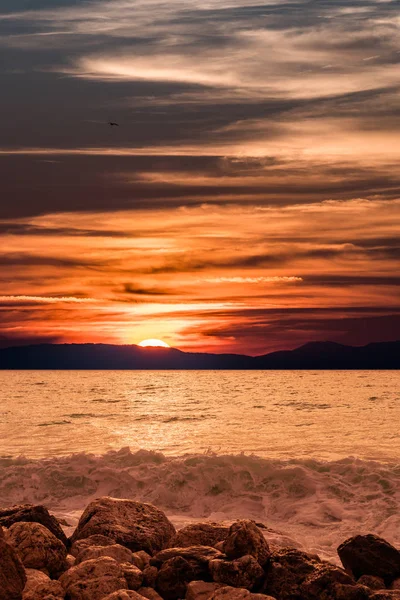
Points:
(153, 343)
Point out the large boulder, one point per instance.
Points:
(12, 572)
(92, 540)
(136, 525)
(244, 572)
(245, 538)
(50, 590)
(30, 513)
(370, 555)
(120, 553)
(173, 578)
(38, 548)
(200, 534)
(93, 579)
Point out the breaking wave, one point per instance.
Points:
(318, 504)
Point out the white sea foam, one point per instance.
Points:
(317, 503)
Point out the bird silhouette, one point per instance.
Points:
(111, 124)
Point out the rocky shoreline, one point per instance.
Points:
(129, 550)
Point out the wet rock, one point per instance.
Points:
(371, 581)
(12, 572)
(150, 576)
(30, 513)
(370, 555)
(38, 548)
(201, 590)
(200, 534)
(116, 551)
(141, 559)
(149, 593)
(92, 540)
(245, 538)
(174, 577)
(230, 593)
(136, 525)
(287, 570)
(244, 572)
(93, 579)
(50, 590)
(133, 576)
(124, 595)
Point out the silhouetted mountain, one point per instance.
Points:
(314, 355)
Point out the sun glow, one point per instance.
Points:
(153, 343)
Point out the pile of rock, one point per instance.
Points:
(128, 550)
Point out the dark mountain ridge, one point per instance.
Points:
(313, 355)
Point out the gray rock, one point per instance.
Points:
(371, 581)
(201, 590)
(173, 578)
(116, 551)
(50, 590)
(92, 540)
(30, 513)
(230, 593)
(133, 576)
(200, 534)
(370, 555)
(149, 593)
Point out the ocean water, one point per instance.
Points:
(314, 455)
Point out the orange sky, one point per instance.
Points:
(248, 200)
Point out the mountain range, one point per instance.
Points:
(313, 355)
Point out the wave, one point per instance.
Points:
(317, 503)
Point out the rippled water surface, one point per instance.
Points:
(275, 414)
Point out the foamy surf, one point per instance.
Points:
(315, 504)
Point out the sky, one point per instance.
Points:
(247, 202)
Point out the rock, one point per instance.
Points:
(230, 593)
(150, 576)
(200, 534)
(50, 590)
(244, 572)
(116, 551)
(12, 572)
(245, 538)
(386, 595)
(141, 559)
(92, 540)
(30, 513)
(70, 560)
(286, 571)
(196, 554)
(124, 595)
(38, 548)
(371, 581)
(149, 593)
(33, 578)
(136, 525)
(331, 583)
(93, 579)
(370, 555)
(174, 577)
(395, 584)
(133, 576)
(201, 590)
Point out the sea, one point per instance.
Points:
(313, 455)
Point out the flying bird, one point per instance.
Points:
(111, 124)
